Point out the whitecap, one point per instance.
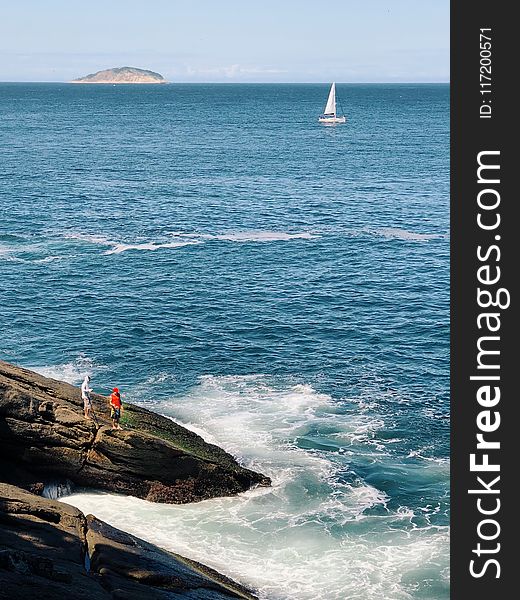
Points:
(264, 236)
(10, 253)
(90, 238)
(6, 253)
(181, 239)
(249, 236)
(396, 233)
(71, 372)
(118, 248)
(47, 259)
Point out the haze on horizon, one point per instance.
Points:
(228, 41)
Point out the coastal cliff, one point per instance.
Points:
(51, 550)
(45, 439)
(122, 75)
(45, 442)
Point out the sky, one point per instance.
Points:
(227, 40)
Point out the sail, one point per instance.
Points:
(330, 108)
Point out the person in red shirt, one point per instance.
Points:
(115, 408)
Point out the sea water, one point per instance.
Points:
(278, 286)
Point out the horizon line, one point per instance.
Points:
(245, 82)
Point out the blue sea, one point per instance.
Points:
(278, 286)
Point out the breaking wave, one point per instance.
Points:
(321, 530)
(71, 372)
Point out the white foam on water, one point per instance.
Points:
(283, 558)
(118, 248)
(421, 454)
(264, 236)
(10, 254)
(6, 253)
(311, 535)
(48, 259)
(181, 239)
(71, 372)
(89, 238)
(249, 236)
(396, 233)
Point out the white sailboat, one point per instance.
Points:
(329, 114)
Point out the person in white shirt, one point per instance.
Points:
(85, 395)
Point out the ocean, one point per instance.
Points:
(278, 286)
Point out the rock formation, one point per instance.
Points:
(122, 75)
(51, 550)
(44, 438)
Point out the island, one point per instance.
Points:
(122, 75)
(46, 445)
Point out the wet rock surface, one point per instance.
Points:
(51, 550)
(45, 438)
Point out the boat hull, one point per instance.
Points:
(332, 120)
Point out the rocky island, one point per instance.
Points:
(45, 441)
(122, 75)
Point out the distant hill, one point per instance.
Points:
(122, 75)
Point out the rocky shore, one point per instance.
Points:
(46, 441)
(51, 550)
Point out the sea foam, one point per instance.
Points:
(71, 372)
(396, 233)
(264, 236)
(118, 248)
(179, 239)
(318, 532)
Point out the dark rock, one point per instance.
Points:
(44, 438)
(50, 550)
